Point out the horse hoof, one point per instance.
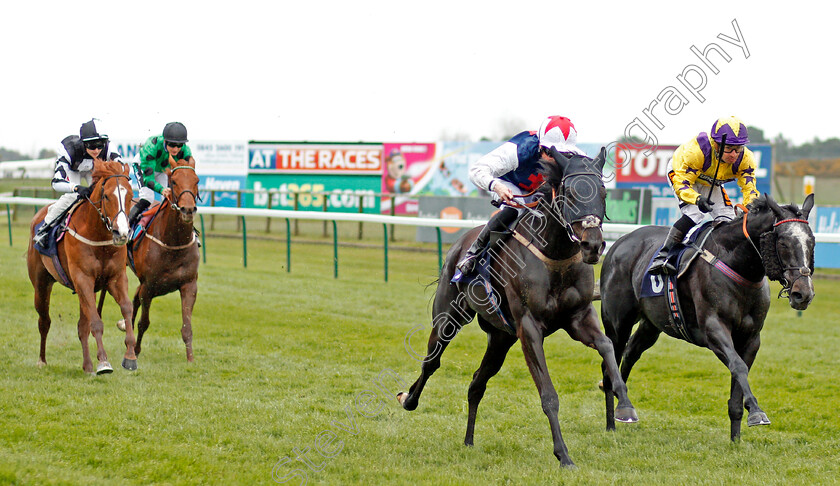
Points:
(41, 364)
(758, 418)
(402, 397)
(626, 415)
(129, 364)
(104, 367)
(121, 325)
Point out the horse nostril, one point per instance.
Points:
(796, 296)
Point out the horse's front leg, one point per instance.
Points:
(90, 323)
(720, 342)
(189, 291)
(118, 288)
(748, 352)
(586, 329)
(531, 334)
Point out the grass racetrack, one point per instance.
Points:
(295, 377)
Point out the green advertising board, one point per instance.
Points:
(341, 193)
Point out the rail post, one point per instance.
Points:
(440, 249)
(288, 247)
(244, 243)
(9, 219)
(268, 219)
(385, 229)
(203, 244)
(335, 250)
(361, 210)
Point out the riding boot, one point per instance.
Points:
(41, 235)
(660, 262)
(137, 211)
(467, 263)
(498, 222)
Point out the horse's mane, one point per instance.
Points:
(106, 168)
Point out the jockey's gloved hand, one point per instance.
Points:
(83, 191)
(704, 204)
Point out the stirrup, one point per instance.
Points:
(660, 267)
(467, 264)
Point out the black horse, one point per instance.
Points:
(724, 302)
(542, 280)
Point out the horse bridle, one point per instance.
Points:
(803, 271)
(174, 200)
(105, 219)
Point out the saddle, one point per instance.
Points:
(682, 255)
(51, 241)
(482, 273)
(482, 277)
(138, 232)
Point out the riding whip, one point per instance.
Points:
(717, 167)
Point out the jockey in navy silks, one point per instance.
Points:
(512, 170)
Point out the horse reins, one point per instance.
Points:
(803, 271)
(102, 216)
(175, 200)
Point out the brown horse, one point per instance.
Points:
(166, 258)
(93, 255)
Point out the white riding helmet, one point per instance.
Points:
(560, 133)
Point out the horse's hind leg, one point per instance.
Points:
(43, 291)
(143, 300)
(451, 313)
(118, 288)
(189, 291)
(498, 345)
(641, 340)
(587, 330)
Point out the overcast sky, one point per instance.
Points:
(409, 71)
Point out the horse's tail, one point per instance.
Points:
(101, 302)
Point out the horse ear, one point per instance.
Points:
(773, 205)
(809, 204)
(126, 170)
(562, 160)
(601, 159)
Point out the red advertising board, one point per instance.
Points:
(645, 165)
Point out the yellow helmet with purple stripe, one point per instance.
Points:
(733, 128)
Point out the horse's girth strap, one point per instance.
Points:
(554, 265)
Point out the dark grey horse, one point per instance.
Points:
(720, 311)
(544, 282)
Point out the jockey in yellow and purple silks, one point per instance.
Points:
(692, 171)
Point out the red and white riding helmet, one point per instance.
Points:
(560, 133)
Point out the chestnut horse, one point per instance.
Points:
(543, 280)
(166, 258)
(93, 256)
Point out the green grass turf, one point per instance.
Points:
(287, 362)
